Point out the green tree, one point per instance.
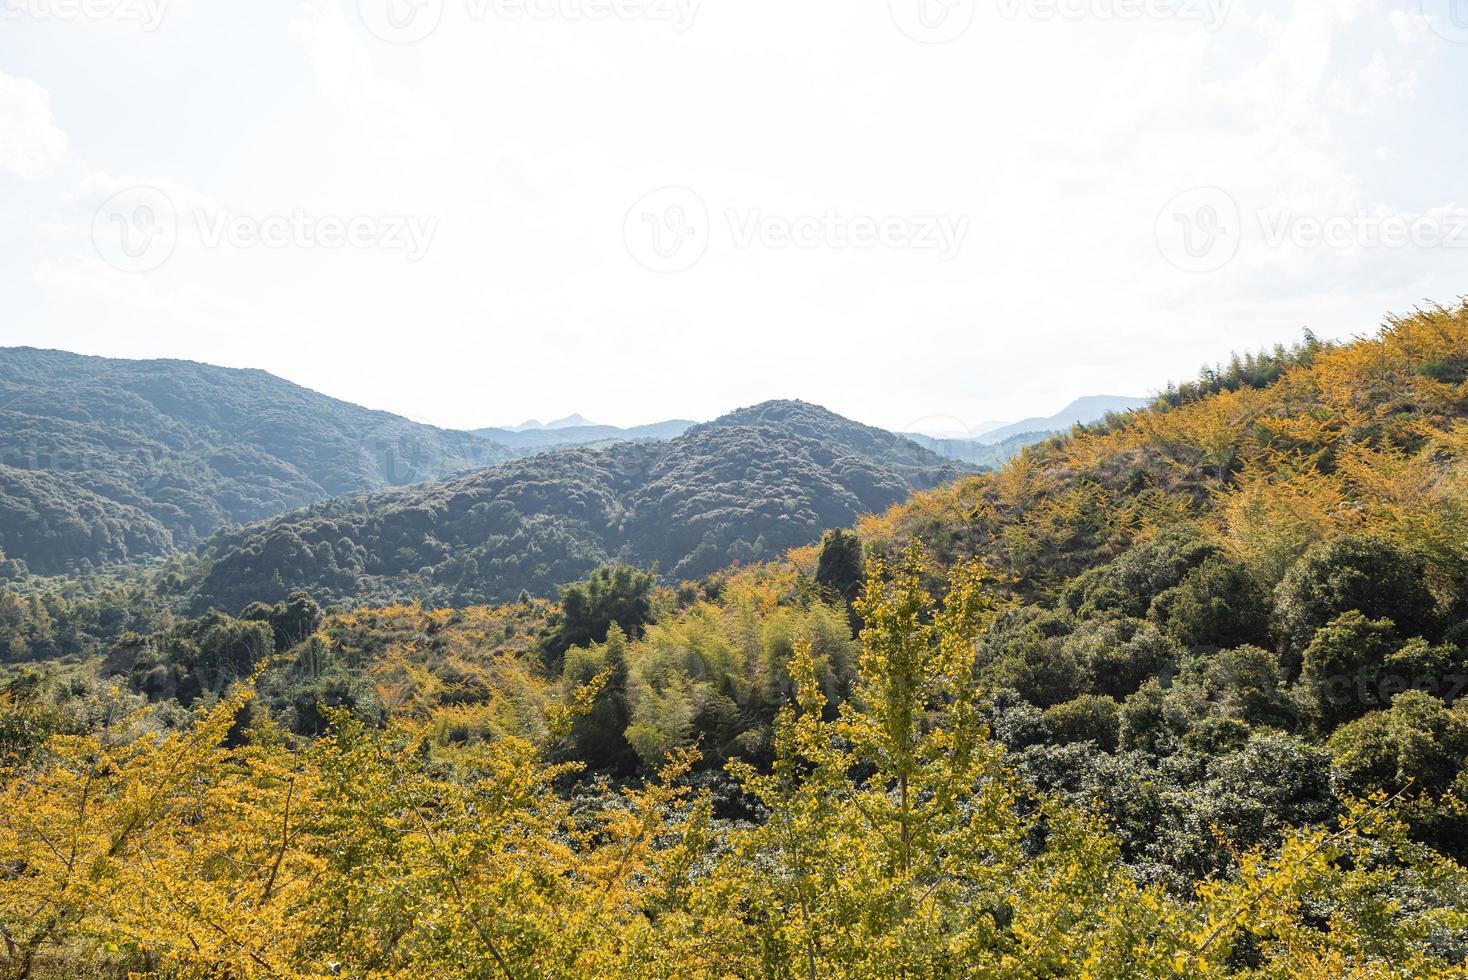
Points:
(1089, 718)
(841, 570)
(612, 594)
(1369, 575)
(1340, 674)
(598, 737)
(1418, 746)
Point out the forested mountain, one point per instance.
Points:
(531, 438)
(106, 460)
(742, 488)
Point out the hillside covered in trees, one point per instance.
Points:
(745, 487)
(1176, 695)
(109, 460)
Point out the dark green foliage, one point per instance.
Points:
(751, 485)
(1272, 782)
(1368, 575)
(598, 738)
(1211, 748)
(1129, 585)
(1026, 652)
(291, 622)
(1244, 685)
(190, 659)
(1146, 723)
(110, 460)
(1417, 741)
(27, 719)
(54, 522)
(1340, 674)
(1089, 718)
(51, 625)
(841, 570)
(1420, 746)
(1117, 656)
(1181, 816)
(1218, 604)
(619, 595)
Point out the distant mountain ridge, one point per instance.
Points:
(1091, 408)
(569, 422)
(995, 444)
(745, 487)
(111, 460)
(554, 436)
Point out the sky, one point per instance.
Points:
(922, 214)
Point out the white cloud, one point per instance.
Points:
(1062, 140)
(397, 123)
(30, 144)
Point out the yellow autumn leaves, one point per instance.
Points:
(891, 841)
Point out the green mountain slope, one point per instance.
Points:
(173, 450)
(744, 487)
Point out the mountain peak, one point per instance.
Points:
(1082, 411)
(570, 422)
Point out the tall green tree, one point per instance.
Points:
(612, 594)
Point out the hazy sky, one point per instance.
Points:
(472, 212)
